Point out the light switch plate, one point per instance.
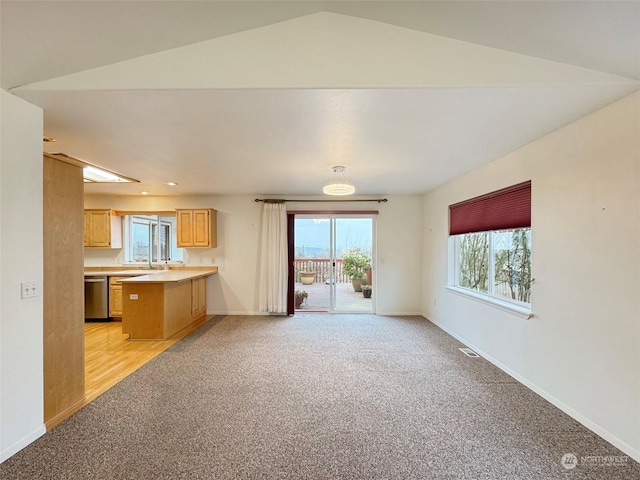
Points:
(29, 289)
(133, 296)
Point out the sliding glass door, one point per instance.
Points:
(353, 247)
(333, 262)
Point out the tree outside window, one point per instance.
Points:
(512, 260)
(503, 256)
(474, 261)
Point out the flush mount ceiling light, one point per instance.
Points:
(92, 173)
(339, 185)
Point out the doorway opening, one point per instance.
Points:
(333, 258)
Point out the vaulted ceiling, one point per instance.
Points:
(264, 97)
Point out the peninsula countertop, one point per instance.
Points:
(170, 276)
(155, 276)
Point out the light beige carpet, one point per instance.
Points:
(318, 397)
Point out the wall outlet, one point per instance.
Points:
(29, 289)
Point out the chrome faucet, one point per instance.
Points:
(149, 267)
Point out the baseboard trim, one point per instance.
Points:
(235, 312)
(14, 448)
(389, 314)
(591, 425)
(52, 422)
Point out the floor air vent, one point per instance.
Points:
(468, 352)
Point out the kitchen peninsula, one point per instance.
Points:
(160, 304)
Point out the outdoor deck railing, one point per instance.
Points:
(321, 267)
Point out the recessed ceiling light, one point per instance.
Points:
(172, 184)
(48, 139)
(144, 193)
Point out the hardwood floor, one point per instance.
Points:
(111, 357)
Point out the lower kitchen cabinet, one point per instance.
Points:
(115, 296)
(198, 297)
(160, 305)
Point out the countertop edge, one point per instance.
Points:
(168, 277)
(159, 276)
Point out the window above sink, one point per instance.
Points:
(151, 239)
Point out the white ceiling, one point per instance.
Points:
(264, 97)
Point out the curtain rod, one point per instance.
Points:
(282, 200)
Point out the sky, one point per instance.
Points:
(313, 234)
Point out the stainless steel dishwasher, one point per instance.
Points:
(96, 298)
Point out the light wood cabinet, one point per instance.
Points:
(198, 297)
(197, 228)
(63, 290)
(102, 228)
(160, 305)
(87, 228)
(115, 296)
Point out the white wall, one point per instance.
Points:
(582, 349)
(21, 381)
(235, 289)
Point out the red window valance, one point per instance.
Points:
(500, 210)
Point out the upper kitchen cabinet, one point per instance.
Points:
(102, 228)
(197, 228)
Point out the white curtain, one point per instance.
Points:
(273, 259)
